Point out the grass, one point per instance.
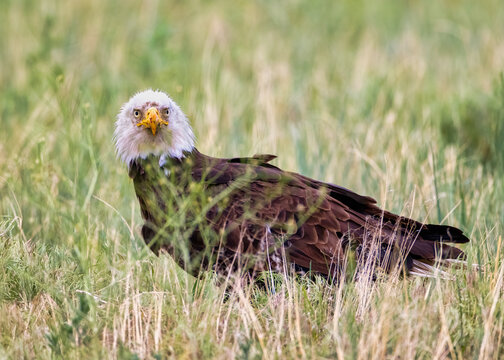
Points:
(403, 101)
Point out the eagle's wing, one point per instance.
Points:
(308, 221)
(286, 216)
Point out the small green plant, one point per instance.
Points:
(67, 335)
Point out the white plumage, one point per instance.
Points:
(135, 141)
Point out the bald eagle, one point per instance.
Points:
(248, 216)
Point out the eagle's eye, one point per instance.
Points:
(136, 113)
(167, 111)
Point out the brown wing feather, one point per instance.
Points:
(335, 212)
(303, 214)
(282, 216)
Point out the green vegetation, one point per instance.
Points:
(403, 101)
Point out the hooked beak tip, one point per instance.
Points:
(152, 120)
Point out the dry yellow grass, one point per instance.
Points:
(400, 101)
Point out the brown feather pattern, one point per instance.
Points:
(253, 216)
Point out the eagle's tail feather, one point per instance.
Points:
(430, 251)
(443, 233)
(431, 243)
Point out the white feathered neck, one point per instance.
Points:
(134, 142)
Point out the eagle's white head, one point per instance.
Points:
(152, 123)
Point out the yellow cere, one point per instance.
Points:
(152, 120)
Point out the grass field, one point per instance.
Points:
(403, 101)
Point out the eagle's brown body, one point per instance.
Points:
(246, 214)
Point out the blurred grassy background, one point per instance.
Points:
(403, 101)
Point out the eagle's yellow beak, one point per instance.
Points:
(152, 120)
